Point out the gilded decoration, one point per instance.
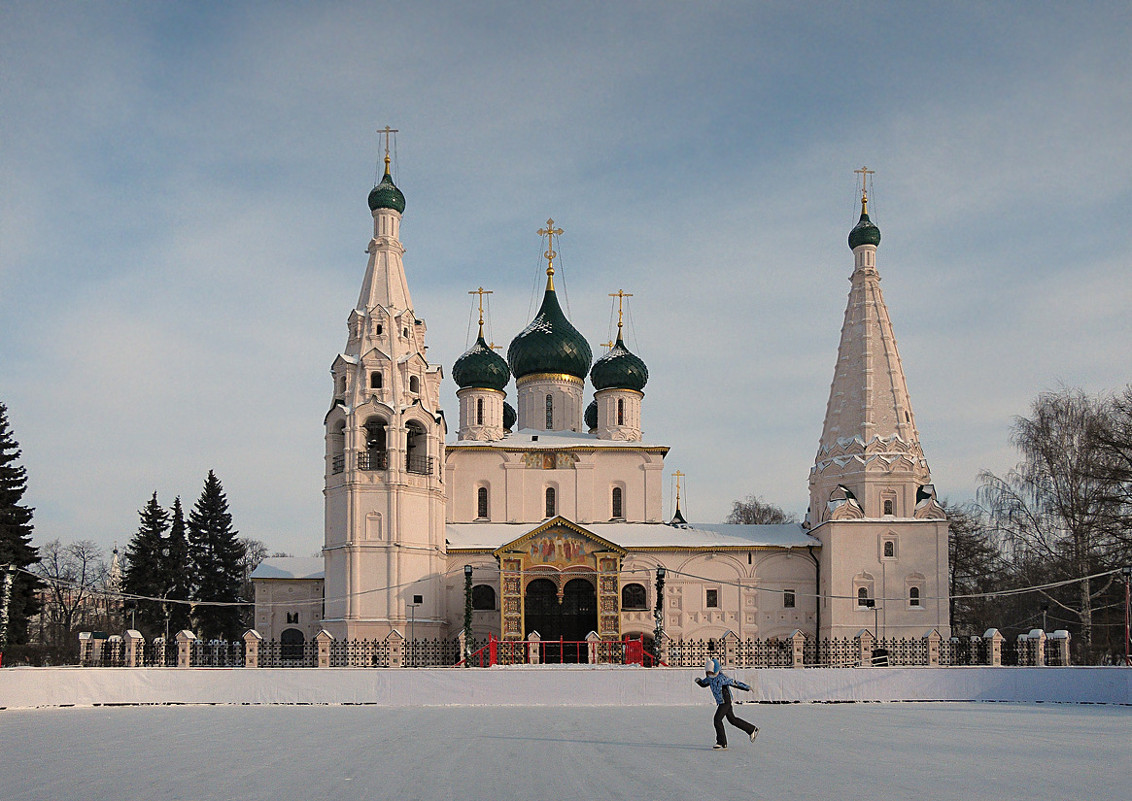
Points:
(549, 460)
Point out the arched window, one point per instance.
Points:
(889, 548)
(550, 505)
(375, 380)
(483, 597)
(862, 596)
(913, 596)
(417, 459)
(481, 503)
(618, 508)
(479, 411)
(620, 411)
(414, 384)
(633, 597)
(291, 644)
(549, 412)
(342, 385)
(888, 506)
(375, 456)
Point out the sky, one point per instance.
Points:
(183, 221)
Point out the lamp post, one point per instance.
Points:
(658, 613)
(417, 601)
(1045, 610)
(1127, 571)
(467, 611)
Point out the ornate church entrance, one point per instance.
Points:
(569, 620)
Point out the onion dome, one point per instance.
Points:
(481, 367)
(864, 232)
(549, 344)
(619, 369)
(509, 416)
(386, 195)
(590, 417)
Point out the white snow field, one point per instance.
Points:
(657, 753)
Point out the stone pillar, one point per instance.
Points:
(185, 640)
(252, 639)
(933, 637)
(798, 652)
(865, 642)
(462, 644)
(662, 648)
(730, 648)
(1039, 639)
(533, 640)
(135, 648)
(86, 649)
(995, 637)
(592, 641)
(323, 640)
(396, 643)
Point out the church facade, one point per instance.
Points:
(552, 510)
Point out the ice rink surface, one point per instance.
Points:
(340, 753)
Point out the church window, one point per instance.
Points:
(550, 506)
(414, 384)
(549, 412)
(862, 596)
(292, 617)
(481, 503)
(620, 411)
(914, 596)
(417, 459)
(888, 506)
(633, 597)
(483, 597)
(711, 599)
(479, 411)
(342, 385)
(788, 599)
(405, 333)
(618, 506)
(889, 549)
(377, 329)
(375, 380)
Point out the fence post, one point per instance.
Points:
(185, 640)
(323, 640)
(662, 648)
(730, 643)
(995, 638)
(592, 641)
(396, 643)
(251, 648)
(933, 637)
(1061, 637)
(86, 647)
(462, 644)
(135, 649)
(533, 640)
(865, 641)
(1039, 638)
(798, 656)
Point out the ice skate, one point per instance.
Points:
(718, 747)
(754, 733)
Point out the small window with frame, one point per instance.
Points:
(711, 598)
(788, 599)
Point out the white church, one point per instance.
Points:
(555, 505)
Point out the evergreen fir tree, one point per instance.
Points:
(15, 534)
(178, 571)
(215, 555)
(146, 572)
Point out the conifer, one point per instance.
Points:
(215, 556)
(15, 535)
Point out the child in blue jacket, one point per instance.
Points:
(721, 688)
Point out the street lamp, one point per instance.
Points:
(417, 601)
(1127, 571)
(1045, 609)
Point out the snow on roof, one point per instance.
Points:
(534, 438)
(489, 536)
(289, 567)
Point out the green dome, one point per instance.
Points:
(386, 195)
(590, 417)
(549, 344)
(619, 369)
(864, 233)
(482, 367)
(509, 416)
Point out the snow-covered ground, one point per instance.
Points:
(658, 753)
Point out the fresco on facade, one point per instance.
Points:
(560, 548)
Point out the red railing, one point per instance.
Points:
(559, 652)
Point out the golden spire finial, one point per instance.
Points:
(387, 130)
(864, 172)
(678, 475)
(550, 232)
(620, 294)
(481, 292)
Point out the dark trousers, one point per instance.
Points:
(724, 711)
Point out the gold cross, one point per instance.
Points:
(864, 172)
(678, 475)
(481, 292)
(387, 130)
(608, 345)
(550, 232)
(620, 294)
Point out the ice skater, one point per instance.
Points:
(721, 688)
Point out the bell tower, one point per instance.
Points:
(384, 550)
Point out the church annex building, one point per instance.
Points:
(556, 503)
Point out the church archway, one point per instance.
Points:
(569, 619)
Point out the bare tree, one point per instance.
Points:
(1054, 509)
(753, 509)
(974, 566)
(73, 574)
